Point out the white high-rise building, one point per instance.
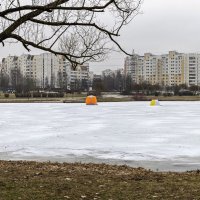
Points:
(46, 67)
(25, 65)
(173, 68)
(167, 70)
(9, 63)
(130, 66)
(46, 70)
(143, 68)
(10, 66)
(78, 77)
(192, 71)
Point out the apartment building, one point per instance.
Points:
(75, 78)
(10, 67)
(46, 69)
(173, 68)
(131, 65)
(192, 71)
(143, 68)
(9, 63)
(167, 70)
(26, 67)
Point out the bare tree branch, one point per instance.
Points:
(77, 29)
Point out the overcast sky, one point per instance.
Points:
(163, 25)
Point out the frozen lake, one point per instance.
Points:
(165, 137)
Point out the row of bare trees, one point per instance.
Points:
(125, 85)
(15, 81)
(116, 83)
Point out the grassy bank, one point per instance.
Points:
(46, 181)
(31, 100)
(81, 99)
(176, 98)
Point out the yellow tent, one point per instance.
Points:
(154, 102)
(91, 100)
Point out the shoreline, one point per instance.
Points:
(174, 165)
(100, 99)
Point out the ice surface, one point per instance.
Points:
(132, 131)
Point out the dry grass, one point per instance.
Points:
(80, 98)
(176, 98)
(53, 181)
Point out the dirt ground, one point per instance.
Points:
(33, 180)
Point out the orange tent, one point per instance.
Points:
(91, 100)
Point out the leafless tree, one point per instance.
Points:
(80, 30)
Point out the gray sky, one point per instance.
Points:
(163, 25)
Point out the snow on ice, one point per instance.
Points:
(132, 131)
